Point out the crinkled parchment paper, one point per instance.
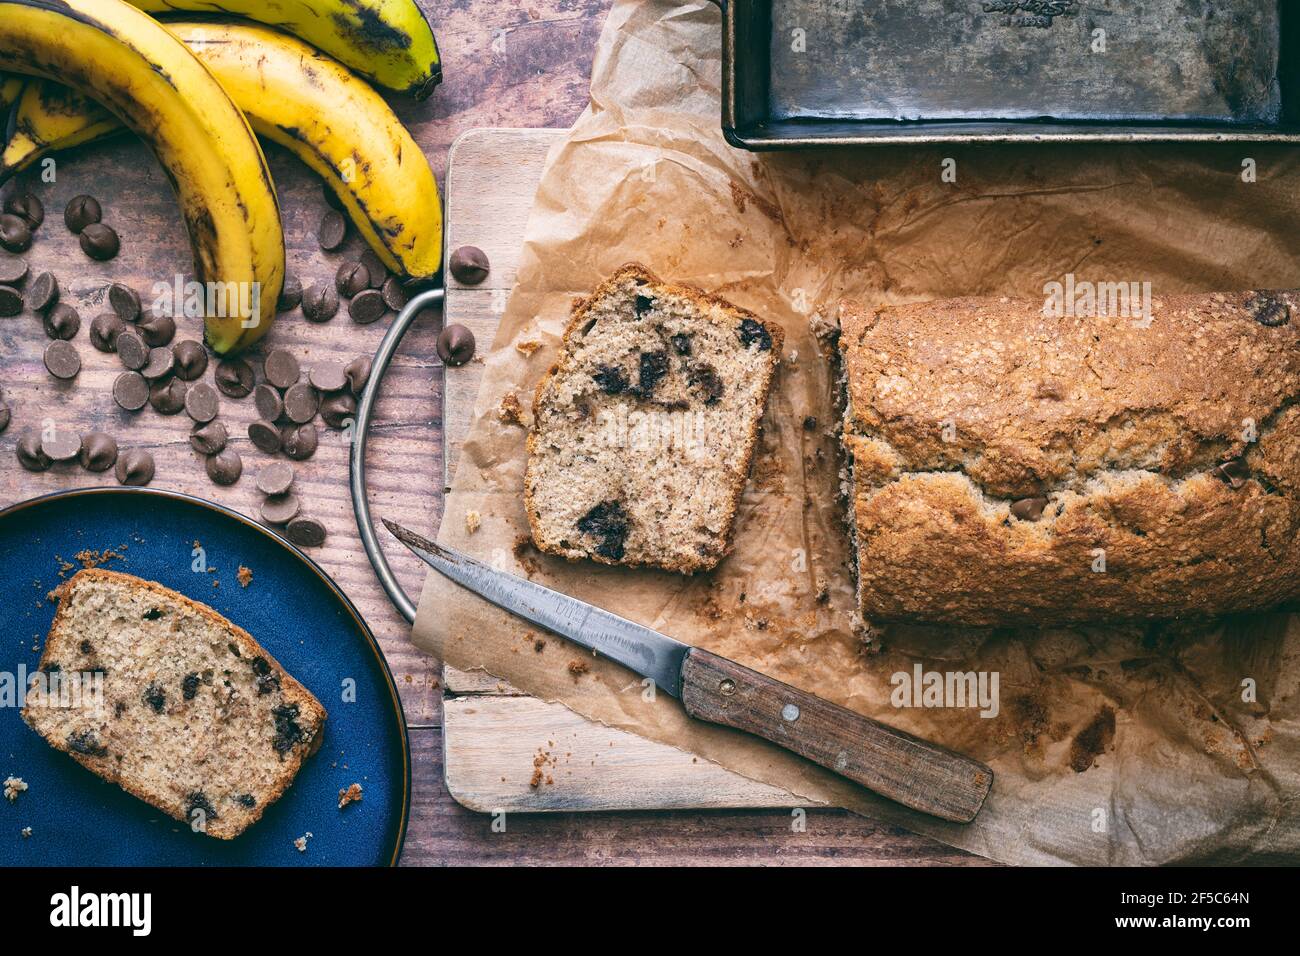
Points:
(1111, 745)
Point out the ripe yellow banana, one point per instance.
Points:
(387, 41)
(10, 87)
(150, 80)
(299, 98)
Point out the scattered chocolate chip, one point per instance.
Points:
(469, 265)
(1269, 308)
(300, 441)
(43, 292)
(30, 455)
(167, 397)
(608, 522)
(157, 329)
(81, 212)
(202, 403)
(752, 332)
(290, 294)
(367, 307)
(27, 208)
(358, 374)
(328, 377)
(1029, 509)
(301, 403)
(131, 391)
(810, 423)
(160, 364)
(306, 532)
(11, 301)
(320, 303)
(131, 348)
(338, 409)
(104, 330)
(62, 322)
(332, 199)
(191, 359)
(134, 467)
(281, 368)
(98, 452)
(225, 466)
(124, 301)
(275, 479)
(455, 345)
(15, 234)
(265, 436)
(1234, 472)
(333, 230)
(209, 439)
(395, 296)
(280, 509)
(375, 269)
(351, 278)
(267, 401)
(13, 272)
(62, 360)
(100, 242)
(234, 377)
(60, 444)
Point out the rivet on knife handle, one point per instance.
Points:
(894, 764)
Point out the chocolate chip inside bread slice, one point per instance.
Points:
(166, 698)
(644, 430)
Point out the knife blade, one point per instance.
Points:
(911, 771)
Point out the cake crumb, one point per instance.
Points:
(13, 787)
(512, 413)
(26, 832)
(351, 795)
(539, 645)
(301, 842)
(578, 668)
(245, 576)
(90, 558)
(473, 520)
(526, 349)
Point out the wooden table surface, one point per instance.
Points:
(522, 65)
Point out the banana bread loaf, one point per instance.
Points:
(1007, 467)
(644, 430)
(194, 717)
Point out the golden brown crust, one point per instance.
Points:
(960, 409)
(576, 320)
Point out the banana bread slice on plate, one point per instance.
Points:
(644, 431)
(166, 698)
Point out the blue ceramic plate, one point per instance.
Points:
(291, 607)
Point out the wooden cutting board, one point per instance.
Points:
(506, 751)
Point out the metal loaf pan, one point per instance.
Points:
(816, 73)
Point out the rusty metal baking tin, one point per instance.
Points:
(1173, 76)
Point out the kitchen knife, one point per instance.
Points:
(894, 764)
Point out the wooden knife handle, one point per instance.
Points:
(914, 772)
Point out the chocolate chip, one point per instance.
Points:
(358, 374)
(29, 453)
(100, 242)
(682, 343)
(124, 301)
(202, 403)
(332, 199)
(27, 208)
(300, 441)
(653, 368)
(62, 322)
(469, 265)
(160, 364)
(265, 436)
(225, 467)
(367, 307)
(752, 332)
(98, 452)
(191, 359)
(157, 329)
(15, 234)
(60, 444)
(611, 379)
(1029, 509)
(267, 401)
(234, 377)
(43, 293)
(395, 296)
(351, 278)
(1268, 308)
(209, 439)
(62, 360)
(275, 479)
(301, 403)
(290, 294)
(609, 523)
(455, 345)
(13, 272)
(134, 467)
(11, 301)
(810, 423)
(131, 391)
(281, 368)
(320, 303)
(1234, 473)
(131, 348)
(104, 330)
(280, 509)
(306, 532)
(167, 397)
(643, 304)
(338, 409)
(375, 269)
(81, 212)
(333, 230)
(706, 379)
(328, 377)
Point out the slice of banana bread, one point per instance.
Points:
(644, 430)
(194, 716)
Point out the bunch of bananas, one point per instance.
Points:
(196, 91)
